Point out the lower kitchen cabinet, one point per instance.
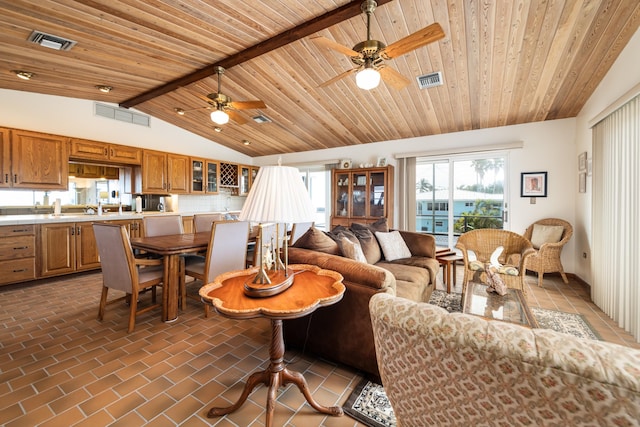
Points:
(17, 253)
(71, 247)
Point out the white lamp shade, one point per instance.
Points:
(368, 78)
(219, 117)
(278, 195)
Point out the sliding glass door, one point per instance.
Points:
(458, 194)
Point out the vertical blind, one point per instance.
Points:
(616, 216)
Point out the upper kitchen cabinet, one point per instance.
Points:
(39, 161)
(5, 161)
(164, 173)
(82, 149)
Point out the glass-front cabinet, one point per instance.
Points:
(362, 195)
(197, 176)
(245, 180)
(213, 177)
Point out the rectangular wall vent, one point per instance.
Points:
(122, 114)
(430, 80)
(51, 41)
(261, 118)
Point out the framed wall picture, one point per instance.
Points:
(582, 161)
(582, 182)
(533, 184)
(382, 162)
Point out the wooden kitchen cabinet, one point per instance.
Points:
(70, 247)
(164, 173)
(362, 195)
(213, 177)
(39, 161)
(17, 253)
(5, 161)
(83, 149)
(198, 176)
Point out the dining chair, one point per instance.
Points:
(298, 229)
(227, 251)
(123, 272)
(203, 222)
(163, 225)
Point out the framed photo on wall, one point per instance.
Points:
(582, 161)
(533, 184)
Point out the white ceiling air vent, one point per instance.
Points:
(121, 114)
(430, 80)
(51, 41)
(261, 118)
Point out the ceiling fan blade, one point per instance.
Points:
(338, 77)
(205, 99)
(413, 41)
(323, 41)
(236, 117)
(393, 78)
(247, 105)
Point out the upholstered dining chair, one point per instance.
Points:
(123, 272)
(478, 246)
(163, 225)
(298, 229)
(203, 222)
(227, 251)
(548, 236)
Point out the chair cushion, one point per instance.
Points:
(546, 234)
(317, 240)
(393, 245)
(509, 270)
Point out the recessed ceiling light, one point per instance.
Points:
(179, 111)
(24, 75)
(246, 142)
(217, 129)
(103, 88)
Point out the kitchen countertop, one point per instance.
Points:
(81, 217)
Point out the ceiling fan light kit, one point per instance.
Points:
(369, 56)
(219, 117)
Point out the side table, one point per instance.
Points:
(448, 262)
(312, 288)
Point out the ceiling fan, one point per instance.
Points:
(224, 107)
(369, 56)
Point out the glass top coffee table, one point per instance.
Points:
(511, 307)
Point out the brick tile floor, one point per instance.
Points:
(59, 366)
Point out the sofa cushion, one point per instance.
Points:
(546, 234)
(369, 244)
(351, 249)
(317, 240)
(380, 225)
(411, 282)
(393, 245)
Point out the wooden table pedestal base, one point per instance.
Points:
(274, 376)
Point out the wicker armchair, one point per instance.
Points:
(546, 259)
(483, 243)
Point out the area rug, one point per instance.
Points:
(368, 402)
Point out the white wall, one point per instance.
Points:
(548, 146)
(623, 77)
(76, 118)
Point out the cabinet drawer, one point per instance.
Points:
(16, 230)
(17, 270)
(17, 247)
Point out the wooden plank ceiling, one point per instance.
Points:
(503, 63)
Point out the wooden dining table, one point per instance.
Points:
(171, 247)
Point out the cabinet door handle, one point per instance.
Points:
(105, 151)
(78, 231)
(73, 231)
(19, 248)
(19, 230)
(15, 178)
(6, 178)
(19, 271)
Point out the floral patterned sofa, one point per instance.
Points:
(441, 368)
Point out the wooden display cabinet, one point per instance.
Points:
(362, 195)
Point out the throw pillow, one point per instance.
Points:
(380, 225)
(369, 244)
(545, 234)
(351, 249)
(393, 245)
(317, 240)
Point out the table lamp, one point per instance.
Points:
(279, 196)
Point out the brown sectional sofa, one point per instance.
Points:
(342, 332)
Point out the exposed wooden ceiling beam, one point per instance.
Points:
(305, 29)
